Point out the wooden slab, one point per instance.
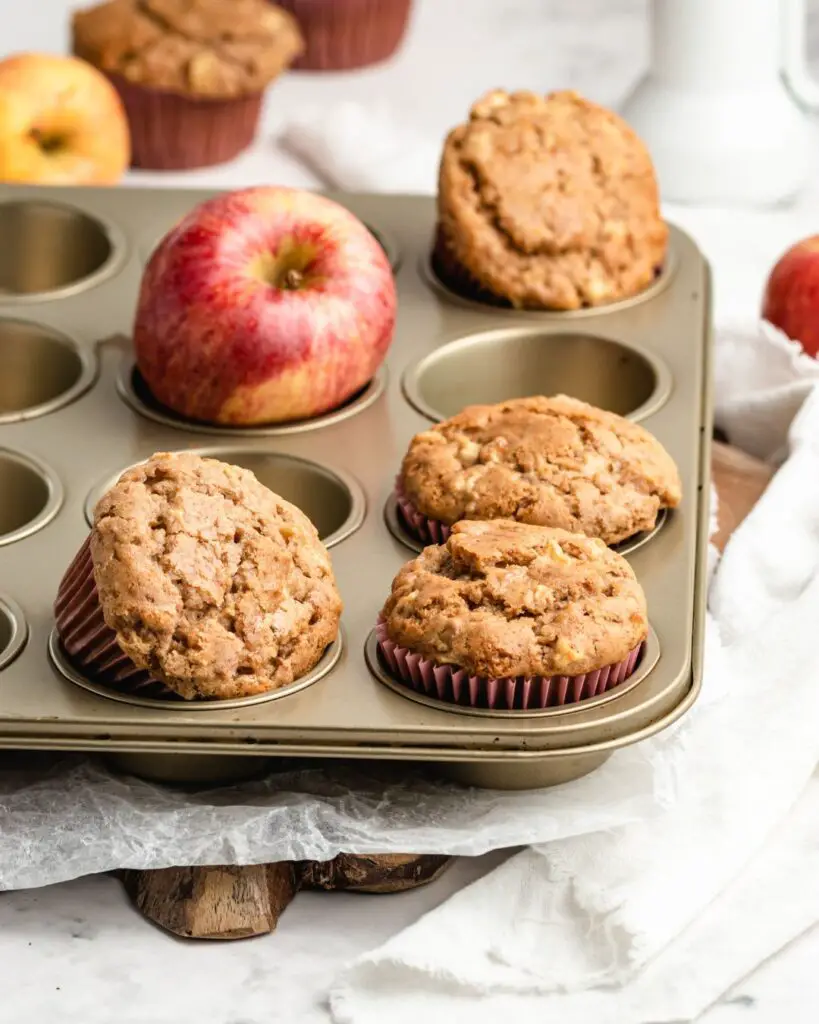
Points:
(240, 902)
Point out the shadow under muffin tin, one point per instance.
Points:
(74, 414)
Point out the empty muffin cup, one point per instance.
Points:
(450, 685)
(41, 370)
(48, 248)
(30, 495)
(495, 366)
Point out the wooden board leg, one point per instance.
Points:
(378, 873)
(214, 902)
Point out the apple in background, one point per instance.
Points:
(61, 123)
(263, 306)
(791, 300)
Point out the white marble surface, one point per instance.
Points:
(77, 951)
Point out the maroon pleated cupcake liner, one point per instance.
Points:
(170, 132)
(90, 645)
(457, 278)
(344, 34)
(427, 531)
(453, 685)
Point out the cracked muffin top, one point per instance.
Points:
(549, 202)
(545, 461)
(207, 49)
(503, 599)
(212, 583)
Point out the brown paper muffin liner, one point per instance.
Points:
(428, 531)
(454, 685)
(89, 643)
(344, 34)
(170, 132)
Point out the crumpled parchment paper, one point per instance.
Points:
(63, 816)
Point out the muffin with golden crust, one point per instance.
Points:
(545, 461)
(547, 203)
(198, 579)
(508, 615)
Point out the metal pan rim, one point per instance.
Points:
(13, 613)
(54, 501)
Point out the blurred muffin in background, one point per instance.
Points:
(191, 73)
(547, 202)
(345, 34)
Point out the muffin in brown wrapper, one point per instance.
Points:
(452, 685)
(508, 616)
(345, 34)
(90, 645)
(547, 202)
(197, 583)
(546, 461)
(190, 73)
(173, 132)
(428, 531)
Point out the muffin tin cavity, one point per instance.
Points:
(40, 370)
(13, 631)
(395, 524)
(49, 249)
(146, 697)
(648, 660)
(30, 495)
(134, 391)
(333, 500)
(464, 295)
(495, 366)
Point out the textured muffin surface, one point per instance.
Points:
(207, 49)
(544, 461)
(212, 583)
(505, 599)
(548, 202)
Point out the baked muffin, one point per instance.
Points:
(543, 461)
(344, 34)
(547, 203)
(507, 615)
(191, 73)
(199, 582)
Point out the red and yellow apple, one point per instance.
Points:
(61, 123)
(791, 300)
(262, 306)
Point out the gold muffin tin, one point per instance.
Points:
(74, 414)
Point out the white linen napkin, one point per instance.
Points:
(656, 919)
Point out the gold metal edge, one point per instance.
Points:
(19, 630)
(64, 667)
(367, 397)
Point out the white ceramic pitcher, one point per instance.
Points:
(723, 107)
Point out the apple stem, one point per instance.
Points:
(292, 279)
